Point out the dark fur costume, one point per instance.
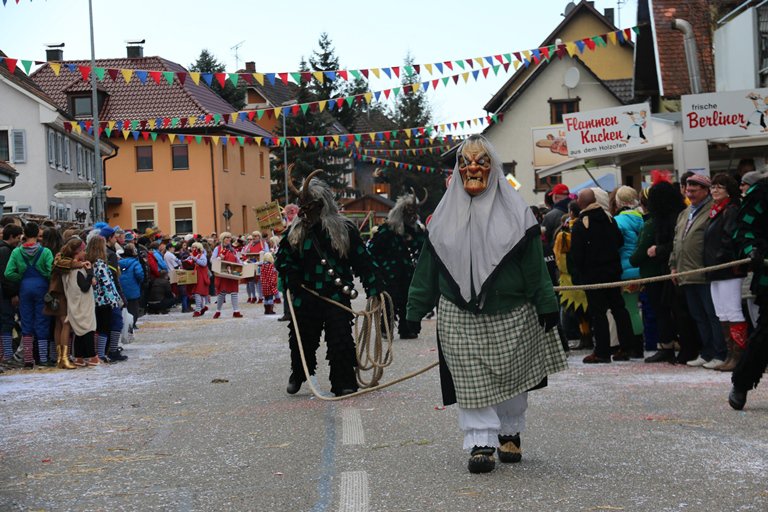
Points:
(303, 265)
(751, 238)
(396, 255)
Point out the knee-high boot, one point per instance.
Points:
(725, 366)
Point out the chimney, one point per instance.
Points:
(54, 52)
(250, 67)
(609, 15)
(135, 49)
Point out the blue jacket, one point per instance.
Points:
(131, 277)
(630, 223)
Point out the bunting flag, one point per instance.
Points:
(469, 66)
(319, 106)
(398, 165)
(348, 140)
(408, 151)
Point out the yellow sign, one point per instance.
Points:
(268, 216)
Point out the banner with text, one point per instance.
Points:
(725, 114)
(607, 131)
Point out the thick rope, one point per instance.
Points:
(645, 280)
(373, 315)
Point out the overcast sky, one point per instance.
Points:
(276, 34)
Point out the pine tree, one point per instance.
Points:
(325, 59)
(207, 63)
(306, 157)
(413, 110)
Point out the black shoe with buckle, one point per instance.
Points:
(481, 460)
(509, 449)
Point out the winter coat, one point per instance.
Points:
(131, 277)
(9, 288)
(595, 245)
(553, 219)
(630, 223)
(268, 279)
(688, 248)
(719, 246)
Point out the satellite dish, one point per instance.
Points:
(571, 78)
(568, 8)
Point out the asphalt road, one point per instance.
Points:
(198, 419)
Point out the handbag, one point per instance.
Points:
(51, 301)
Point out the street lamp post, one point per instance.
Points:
(98, 197)
(285, 149)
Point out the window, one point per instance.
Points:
(52, 211)
(559, 107)
(5, 150)
(145, 217)
(19, 138)
(144, 158)
(224, 158)
(88, 159)
(261, 164)
(544, 184)
(81, 106)
(244, 211)
(180, 156)
(242, 160)
(182, 219)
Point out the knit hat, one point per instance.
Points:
(129, 236)
(100, 225)
(752, 177)
(700, 180)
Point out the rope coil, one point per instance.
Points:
(369, 357)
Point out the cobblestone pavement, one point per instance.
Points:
(198, 419)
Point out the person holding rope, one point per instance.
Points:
(316, 261)
(751, 237)
(483, 266)
(396, 247)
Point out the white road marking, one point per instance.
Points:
(354, 492)
(352, 427)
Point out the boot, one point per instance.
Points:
(269, 309)
(64, 362)
(738, 332)
(726, 365)
(637, 351)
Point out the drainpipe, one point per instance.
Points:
(691, 53)
(104, 178)
(213, 190)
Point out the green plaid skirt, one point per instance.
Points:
(495, 357)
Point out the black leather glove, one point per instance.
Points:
(757, 256)
(549, 320)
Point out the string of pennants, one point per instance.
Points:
(408, 151)
(342, 140)
(6, 1)
(318, 106)
(525, 57)
(398, 165)
(139, 128)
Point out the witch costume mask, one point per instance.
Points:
(474, 167)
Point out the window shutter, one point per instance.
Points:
(65, 156)
(19, 146)
(51, 148)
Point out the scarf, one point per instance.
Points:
(718, 207)
(471, 235)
